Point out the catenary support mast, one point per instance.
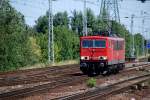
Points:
(50, 34)
(85, 19)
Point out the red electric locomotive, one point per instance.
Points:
(101, 54)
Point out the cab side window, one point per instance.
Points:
(115, 45)
(110, 46)
(120, 45)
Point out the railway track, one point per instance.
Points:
(102, 92)
(37, 70)
(39, 76)
(57, 82)
(43, 87)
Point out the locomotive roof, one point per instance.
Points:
(101, 37)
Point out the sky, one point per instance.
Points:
(33, 9)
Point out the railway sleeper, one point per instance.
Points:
(140, 86)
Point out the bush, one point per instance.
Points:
(91, 82)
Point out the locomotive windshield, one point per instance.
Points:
(99, 43)
(87, 43)
(94, 43)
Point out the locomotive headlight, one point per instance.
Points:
(84, 58)
(103, 57)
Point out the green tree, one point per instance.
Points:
(91, 21)
(42, 24)
(77, 22)
(67, 42)
(14, 52)
(138, 43)
(100, 26)
(42, 41)
(61, 19)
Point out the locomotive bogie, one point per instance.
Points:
(100, 68)
(92, 67)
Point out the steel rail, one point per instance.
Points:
(42, 87)
(36, 77)
(101, 92)
(58, 82)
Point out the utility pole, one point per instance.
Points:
(131, 27)
(85, 19)
(50, 34)
(1, 3)
(53, 59)
(148, 41)
(69, 24)
(143, 40)
(146, 44)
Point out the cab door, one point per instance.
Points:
(115, 52)
(110, 53)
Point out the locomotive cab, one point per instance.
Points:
(93, 55)
(97, 54)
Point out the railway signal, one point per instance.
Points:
(148, 45)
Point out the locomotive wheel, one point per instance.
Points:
(116, 71)
(107, 72)
(97, 71)
(92, 72)
(121, 66)
(84, 71)
(104, 73)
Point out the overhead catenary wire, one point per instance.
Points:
(51, 20)
(27, 4)
(89, 2)
(44, 4)
(34, 9)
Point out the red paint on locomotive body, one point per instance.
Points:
(92, 52)
(111, 51)
(101, 49)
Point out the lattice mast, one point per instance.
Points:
(109, 11)
(50, 34)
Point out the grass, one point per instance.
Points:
(42, 65)
(91, 82)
